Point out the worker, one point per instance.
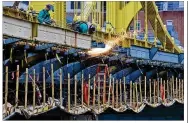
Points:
(44, 15)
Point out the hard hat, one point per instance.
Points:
(50, 7)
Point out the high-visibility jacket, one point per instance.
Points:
(44, 16)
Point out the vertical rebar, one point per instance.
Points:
(179, 90)
(145, 87)
(183, 90)
(150, 91)
(158, 90)
(154, 92)
(94, 87)
(173, 87)
(164, 89)
(109, 89)
(104, 90)
(140, 82)
(61, 87)
(6, 88)
(44, 88)
(125, 95)
(98, 93)
(130, 93)
(113, 93)
(75, 90)
(82, 89)
(136, 94)
(26, 89)
(133, 89)
(17, 85)
(176, 87)
(161, 88)
(68, 92)
(89, 90)
(116, 93)
(120, 93)
(167, 88)
(52, 82)
(33, 89)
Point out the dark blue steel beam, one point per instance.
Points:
(39, 70)
(181, 58)
(154, 55)
(122, 73)
(95, 44)
(139, 52)
(89, 70)
(153, 51)
(150, 73)
(134, 75)
(71, 68)
(44, 46)
(10, 40)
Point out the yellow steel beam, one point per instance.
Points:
(162, 33)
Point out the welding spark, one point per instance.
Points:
(109, 46)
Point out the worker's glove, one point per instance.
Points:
(52, 21)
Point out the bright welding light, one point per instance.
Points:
(109, 45)
(98, 51)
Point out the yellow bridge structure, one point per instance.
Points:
(44, 33)
(115, 94)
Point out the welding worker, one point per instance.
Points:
(44, 15)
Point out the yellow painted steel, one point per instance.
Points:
(59, 15)
(162, 34)
(39, 5)
(119, 15)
